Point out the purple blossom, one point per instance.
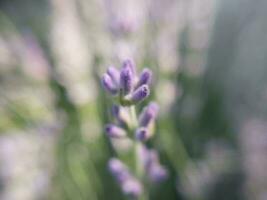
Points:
(157, 173)
(114, 74)
(139, 94)
(114, 131)
(145, 77)
(132, 91)
(126, 80)
(148, 114)
(142, 134)
(109, 85)
(132, 187)
(150, 157)
(118, 170)
(129, 63)
(115, 110)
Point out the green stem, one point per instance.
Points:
(139, 170)
(133, 118)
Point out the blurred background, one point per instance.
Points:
(209, 58)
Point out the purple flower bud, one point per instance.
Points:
(142, 134)
(157, 173)
(148, 114)
(129, 63)
(118, 170)
(139, 94)
(143, 154)
(114, 131)
(126, 80)
(150, 159)
(109, 85)
(132, 187)
(115, 110)
(114, 74)
(145, 77)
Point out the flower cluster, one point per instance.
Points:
(129, 89)
(126, 85)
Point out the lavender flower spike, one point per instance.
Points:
(139, 94)
(109, 85)
(126, 80)
(145, 77)
(148, 114)
(146, 165)
(114, 131)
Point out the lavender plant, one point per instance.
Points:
(128, 90)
